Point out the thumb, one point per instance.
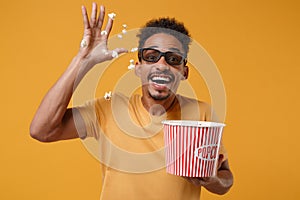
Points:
(220, 160)
(115, 53)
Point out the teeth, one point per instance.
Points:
(161, 79)
(158, 78)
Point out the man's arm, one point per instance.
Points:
(53, 121)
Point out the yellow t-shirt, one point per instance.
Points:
(130, 145)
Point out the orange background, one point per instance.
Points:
(255, 45)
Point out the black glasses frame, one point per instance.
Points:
(164, 54)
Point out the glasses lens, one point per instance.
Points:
(173, 58)
(151, 55)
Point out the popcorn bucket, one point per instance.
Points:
(192, 147)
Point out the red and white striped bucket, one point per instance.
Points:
(192, 147)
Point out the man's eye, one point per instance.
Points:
(151, 57)
(174, 58)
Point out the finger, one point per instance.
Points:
(85, 18)
(192, 180)
(101, 17)
(120, 50)
(220, 160)
(115, 53)
(195, 181)
(205, 179)
(109, 25)
(93, 15)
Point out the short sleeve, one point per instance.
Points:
(89, 116)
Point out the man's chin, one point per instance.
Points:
(159, 97)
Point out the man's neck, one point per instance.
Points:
(158, 107)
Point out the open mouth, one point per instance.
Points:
(161, 78)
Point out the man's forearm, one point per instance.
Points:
(223, 182)
(53, 107)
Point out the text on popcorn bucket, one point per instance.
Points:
(208, 152)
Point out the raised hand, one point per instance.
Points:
(94, 43)
(53, 120)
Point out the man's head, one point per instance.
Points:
(163, 48)
(165, 25)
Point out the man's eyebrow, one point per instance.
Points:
(175, 49)
(153, 47)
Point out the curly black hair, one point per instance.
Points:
(165, 25)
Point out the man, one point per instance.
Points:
(161, 67)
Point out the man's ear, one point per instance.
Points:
(137, 69)
(185, 72)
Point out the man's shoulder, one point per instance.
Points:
(193, 109)
(188, 101)
(106, 103)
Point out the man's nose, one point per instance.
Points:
(162, 64)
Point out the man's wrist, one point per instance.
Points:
(85, 63)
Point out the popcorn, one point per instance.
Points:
(114, 54)
(134, 49)
(124, 31)
(103, 32)
(83, 43)
(105, 52)
(107, 95)
(112, 16)
(132, 65)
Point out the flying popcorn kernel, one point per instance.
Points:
(124, 26)
(83, 43)
(107, 95)
(124, 31)
(105, 52)
(112, 16)
(114, 54)
(134, 49)
(132, 65)
(120, 36)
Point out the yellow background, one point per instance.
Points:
(255, 45)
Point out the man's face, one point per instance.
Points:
(160, 79)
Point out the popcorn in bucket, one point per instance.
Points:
(192, 147)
